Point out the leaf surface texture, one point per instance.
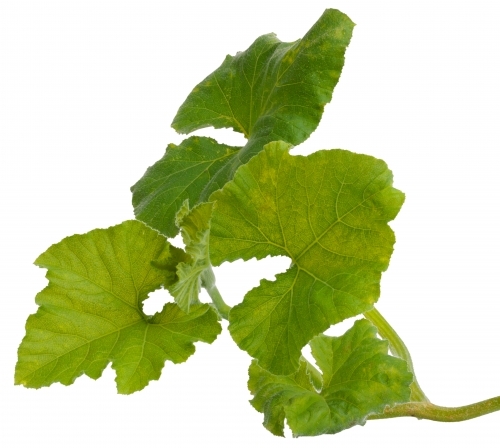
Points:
(359, 379)
(272, 91)
(91, 314)
(181, 174)
(328, 212)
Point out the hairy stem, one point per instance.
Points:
(429, 411)
(398, 348)
(222, 307)
(208, 282)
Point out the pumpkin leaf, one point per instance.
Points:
(328, 213)
(359, 379)
(91, 313)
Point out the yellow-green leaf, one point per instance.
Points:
(328, 212)
(91, 313)
(272, 91)
(359, 379)
(181, 174)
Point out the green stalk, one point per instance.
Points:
(398, 348)
(208, 282)
(222, 307)
(429, 411)
(420, 406)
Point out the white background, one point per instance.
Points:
(87, 92)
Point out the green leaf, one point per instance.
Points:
(328, 212)
(359, 379)
(91, 312)
(182, 173)
(195, 228)
(168, 264)
(272, 91)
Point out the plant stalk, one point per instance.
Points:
(419, 407)
(397, 348)
(222, 307)
(429, 411)
(208, 282)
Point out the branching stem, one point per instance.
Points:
(419, 406)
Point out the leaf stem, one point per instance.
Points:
(420, 406)
(429, 411)
(397, 348)
(208, 281)
(222, 307)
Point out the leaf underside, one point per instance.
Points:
(272, 91)
(328, 212)
(359, 379)
(191, 273)
(91, 313)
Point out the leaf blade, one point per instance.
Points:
(91, 311)
(328, 212)
(271, 83)
(272, 91)
(366, 380)
(181, 174)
